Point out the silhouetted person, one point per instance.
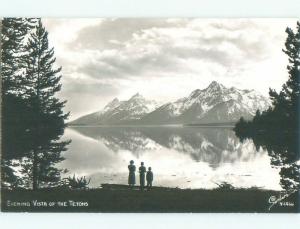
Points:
(149, 178)
(142, 171)
(131, 177)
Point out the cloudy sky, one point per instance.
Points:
(164, 59)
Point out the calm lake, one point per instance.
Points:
(184, 157)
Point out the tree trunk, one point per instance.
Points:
(35, 183)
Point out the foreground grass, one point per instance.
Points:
(118, 198)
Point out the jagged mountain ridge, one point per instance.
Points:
(119, 112)
(214, 104)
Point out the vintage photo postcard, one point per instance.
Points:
(150, 115)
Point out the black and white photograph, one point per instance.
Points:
(150, 115)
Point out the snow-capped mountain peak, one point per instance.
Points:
(214, 84)
(213, 104)
(137, 96)
(111, 105)
(118, 112)
(214, 87)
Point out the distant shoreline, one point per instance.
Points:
(224, 124)
(206, 125)
(180, 125)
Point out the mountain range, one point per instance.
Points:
(214, 104)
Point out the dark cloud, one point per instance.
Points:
(98, 55)
(168, 60)
(105, 34)
(208, 49)
(114, 67)
(91, 88)
(130, 61)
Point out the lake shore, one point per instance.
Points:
(119, 198)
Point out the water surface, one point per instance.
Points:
(184, 157)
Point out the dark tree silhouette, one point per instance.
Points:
(286, 102)
(13, 31)
(14, 109)
(33, 121)
(284, 114)
(48, 119)
(277, 129)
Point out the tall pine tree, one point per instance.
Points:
(13, 31)
(287, 101)
(14, 125)
(284, 115)
(48, 119)
(277, 128)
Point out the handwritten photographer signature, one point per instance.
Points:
(273, 200)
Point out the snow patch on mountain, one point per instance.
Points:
(213, 104)
(110, 106)
(118, 112)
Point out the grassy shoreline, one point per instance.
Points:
(120, 198)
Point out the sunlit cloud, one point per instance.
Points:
(164, 59)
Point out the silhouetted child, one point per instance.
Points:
(142, 171)
(149, 178)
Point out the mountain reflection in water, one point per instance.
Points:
(185, 157)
